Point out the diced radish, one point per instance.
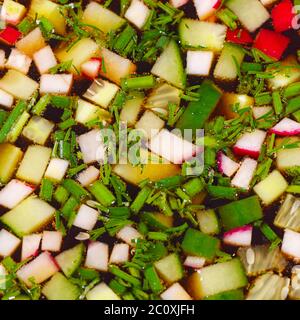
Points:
(245, 174)
(250, 143)
(2, 59)
(12, 12)
(91, 68)
(226, 165)
(3, 274)
(239, 36)
(56, 83)
(14, 192)
(40, 269)
(119, 254)
(129, 235)
(175, 292)
(173, 148)
(286, 127)
(30, 245)
(137, 13)
(86, 217)
(267, 3)
(91, 146)
(18, 61)
(291, 244)
(259, 112)
(6, 99)
(8, 243)
(194, 262)
(97, 256)
(240, 237)
(57, 169)
(32, 42)
(150, 124)
(206, 8)
(52, 241)
(88, 176)
(271, 43)
(44, 59)
(10, 35)
(178, 3)
(199, 62)
(282, 15)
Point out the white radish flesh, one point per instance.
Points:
(199, 63)
(44, 59)
(88, 176)
(173, 148)
(291, 244)
(91, 68)
(286, 127)
(12, 12)
(8, 243)
(245, 174)
(6, 99)
(250, 143)
(14, 192)
(119, 254)
(240, 237)
(259, 112)
(129, 235)
(40, 269)
(18, 61)
(52, 241)
(86, 217)
(137, 13)
(56, 83)
(56, 169)
(178, 3)
(91, 146)
(206, 8)
(97, 256)
(175, 292)
(226, 165)
(194, 262)
(30, 245)
(2, 59)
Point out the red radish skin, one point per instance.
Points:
(271, 43)
(250, 143)
(283, 15)
(218, 4)
(226, 166)
(286, 127)
(91, 68)
(30, 246)
(241, 236)
(10, 35)
(239, 36)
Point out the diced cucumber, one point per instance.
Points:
(157, 220)
(169, 268)
(288, 160)
(271, 188)
(259, 259)
(169, 66)
(241, 212)
(217, 278)
(196, 243)
(198, 112)
(38, 129)
(229, 62)
(102, 18)
(60, 288)
(102, 292)
(86, 112)
(268, 287)
(208, 222)
(288, 216)
(202, 34)
(34, 164)
(132, 108)
(70, 260)
(251, 13)
(237, 294)
(29, 216)
(193, 187)
(10, 156)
